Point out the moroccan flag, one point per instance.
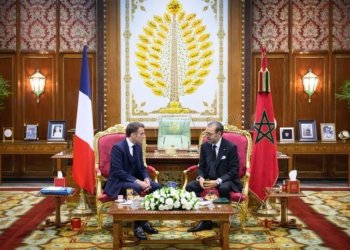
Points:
(264, 167)
(83, 154)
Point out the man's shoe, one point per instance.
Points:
(202, 225)
(148, 228)
(139, 233)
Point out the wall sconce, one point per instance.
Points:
(310, 81)
(37, 81)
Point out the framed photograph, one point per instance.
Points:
(287, 134)
(31, 132)
(328, 132)
(56, 131)
(307, 130)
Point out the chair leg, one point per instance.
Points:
(242, 219)
(99, 215)
(99, 220)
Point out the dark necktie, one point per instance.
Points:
(212, 170)
(133, 150)
(213, 153)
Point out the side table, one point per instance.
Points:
(284, 207)
(57, 222)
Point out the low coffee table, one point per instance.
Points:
(221, 213)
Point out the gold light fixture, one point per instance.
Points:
(310, 81)
(37, 81)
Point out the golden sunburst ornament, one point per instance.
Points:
(174, 7)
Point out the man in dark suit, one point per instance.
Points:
(219, 163)
(127, 170)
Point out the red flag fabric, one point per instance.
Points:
(83, 154)
(264, 166)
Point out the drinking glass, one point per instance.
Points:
(129, 193)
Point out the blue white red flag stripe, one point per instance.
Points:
(83, 154)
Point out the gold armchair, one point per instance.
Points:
(103, 143)
(243, 141)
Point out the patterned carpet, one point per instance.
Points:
(332, 206)
(14, 205)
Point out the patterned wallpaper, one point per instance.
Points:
(38, 24)
(310, 24)
(8, 24)
(341, 21)
(309, 27)
(270, 22)
(77, 17)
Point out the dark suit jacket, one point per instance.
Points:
(226, 164)
(120, 169)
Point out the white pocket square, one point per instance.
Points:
(224, 157)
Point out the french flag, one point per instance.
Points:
(83, 154)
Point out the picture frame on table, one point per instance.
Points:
(56, 131)
(287, 134)
(307, 130)
(328, 132)
(31, 132)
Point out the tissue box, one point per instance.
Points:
(60, 182)
(293, 186)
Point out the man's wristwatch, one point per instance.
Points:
(218, 182)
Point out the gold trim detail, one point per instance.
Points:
(213, 6)
(136, 109)
(135, 4)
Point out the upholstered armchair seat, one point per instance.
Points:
(103, 143)
(243, 141)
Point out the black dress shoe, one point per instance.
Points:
(202, 225)
(139, 233)
(148, 228)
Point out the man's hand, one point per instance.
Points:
(201, 182)
(145, 185)
(210, 184)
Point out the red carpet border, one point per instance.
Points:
(12, 237)
(333, 236)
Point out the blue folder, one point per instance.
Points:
(57, 190)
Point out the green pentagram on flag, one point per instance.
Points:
(259, 127)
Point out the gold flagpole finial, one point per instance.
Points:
(262, 41)
(85, 36)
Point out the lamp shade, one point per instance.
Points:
(310, 81)
(37, 81)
